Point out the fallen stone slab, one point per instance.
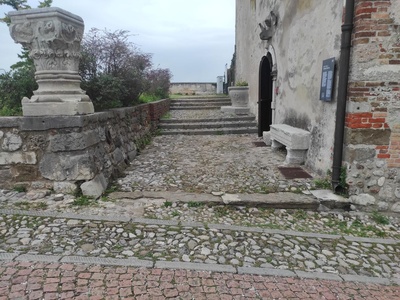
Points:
(279, 201)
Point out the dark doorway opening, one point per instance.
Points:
(265, 94)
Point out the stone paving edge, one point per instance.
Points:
(138, 263)
(197, 224)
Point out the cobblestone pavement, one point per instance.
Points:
(154, 237)
(205, 164)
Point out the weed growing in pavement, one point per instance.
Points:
(356, 228)
(300, 214)
(20, 188)
(42, 205)
(221, 211)
(323, 183)
(167, 204)
(175, 213)
(26, 205)
(380, 219)
(195, 204)
(82, 201)
(22, 204)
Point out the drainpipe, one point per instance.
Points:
(344, 67)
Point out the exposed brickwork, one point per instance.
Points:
(374, 25)
(30, 280)
(373, 118)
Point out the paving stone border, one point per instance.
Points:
(195, 267)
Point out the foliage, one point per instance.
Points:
(116, 73)
(158, 83)
(20, 188)
(323, 183)
(241, 83)
(380, 219)
(82, 201)
(15, 85)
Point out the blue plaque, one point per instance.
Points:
(327, 77)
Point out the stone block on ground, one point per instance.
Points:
(96, 187)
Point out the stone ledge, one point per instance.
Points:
(235, 110)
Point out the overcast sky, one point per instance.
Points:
(193, 38)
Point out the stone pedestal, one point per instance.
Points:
(240, 99)
(53, 37)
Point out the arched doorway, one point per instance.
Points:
(265, 94)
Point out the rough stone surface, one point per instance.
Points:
(363, 199)
(11, 142)
(95, 187)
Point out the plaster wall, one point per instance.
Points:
(307, 32)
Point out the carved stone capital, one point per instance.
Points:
(53, 37)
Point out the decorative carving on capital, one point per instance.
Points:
(53, 38)
(53, 41)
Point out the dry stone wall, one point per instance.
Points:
(67, 152)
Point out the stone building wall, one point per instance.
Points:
(66, 152)
(373, 112)
(193, 88)
(307, 32)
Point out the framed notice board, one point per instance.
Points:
(327, 77)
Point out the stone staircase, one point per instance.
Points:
(203, 116)
(199, 103)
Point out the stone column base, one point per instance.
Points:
(236, 110)
(57, 108)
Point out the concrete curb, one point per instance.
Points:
(138, 263)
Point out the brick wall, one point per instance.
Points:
(373, 114)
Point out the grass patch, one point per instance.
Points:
(26, 205)
(167, 204)
(147, 98)
(166, 116)
(195, 204)
(82, 201)
(20, 188)
(175, 213)
(324, 184)
(380, 219)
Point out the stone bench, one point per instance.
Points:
(296, 140)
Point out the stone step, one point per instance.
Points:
(208, 104)
(200, 98)
(215, 131)
(225, 100)
(194, 107)
(232, 119)
(207, 125)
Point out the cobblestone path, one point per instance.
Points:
(155, 237)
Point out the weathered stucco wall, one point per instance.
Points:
(307, 32)
(66, 152)
(193, 88)
(373, 111)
